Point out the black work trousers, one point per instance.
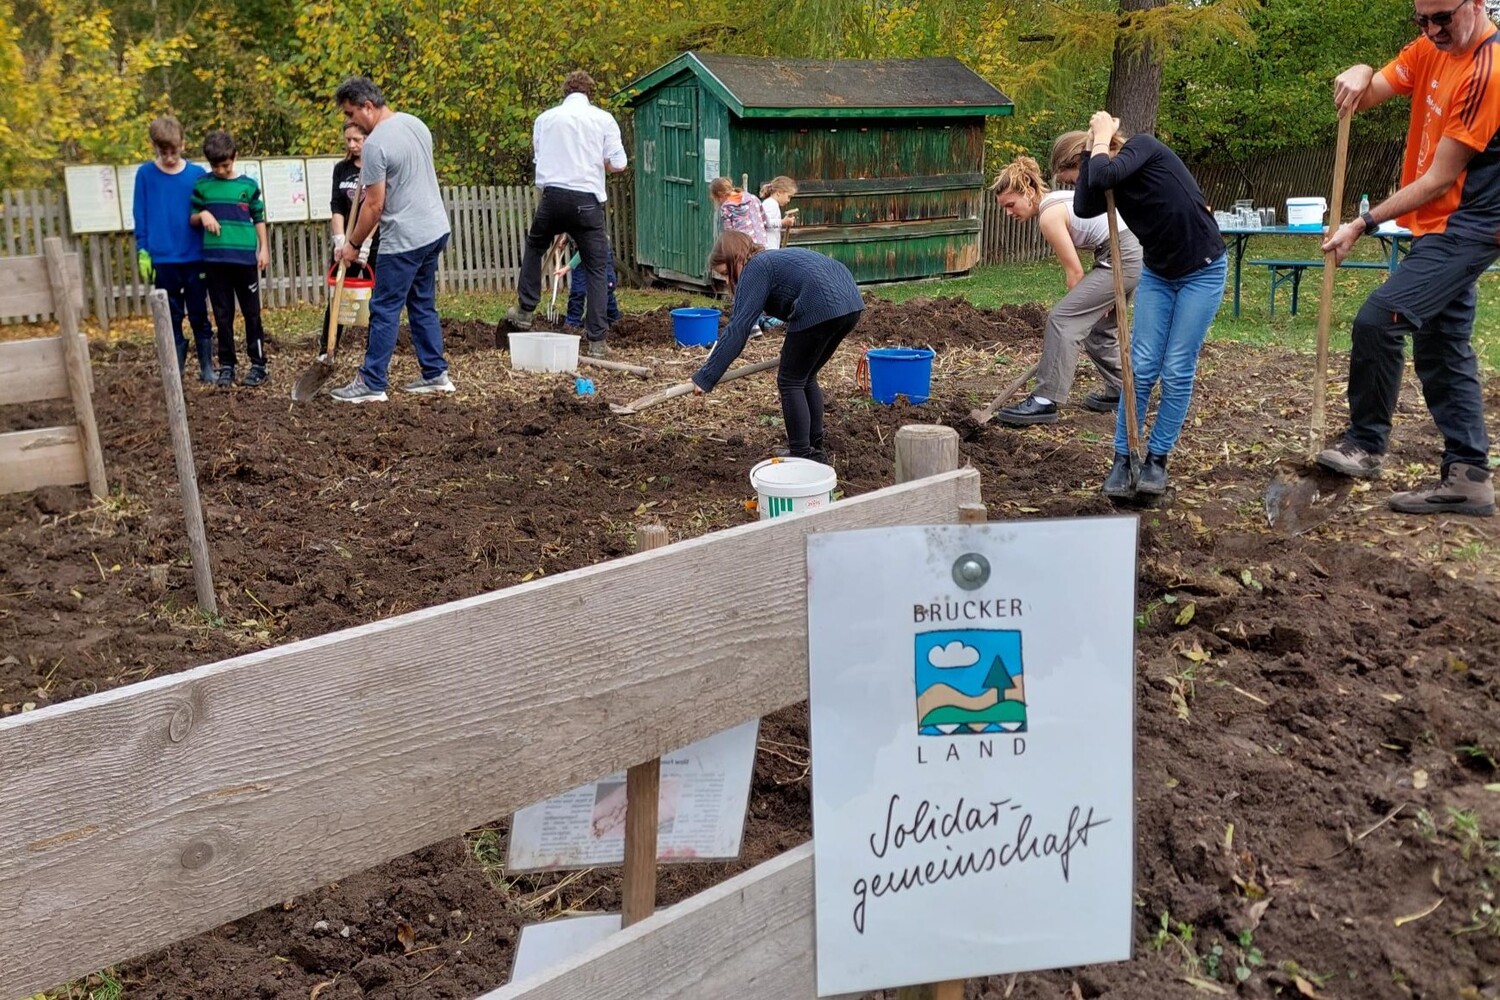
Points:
(581, 216)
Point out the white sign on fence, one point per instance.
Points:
(320, 186)
(93, 198)
(283, 184)
(700, 811)
(972, 749)
(551, 943)
(125, 184)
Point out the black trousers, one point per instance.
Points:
(803, 355)
(581, 216)
(227, 283)
(1430, 298)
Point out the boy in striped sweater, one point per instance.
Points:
(233, 216)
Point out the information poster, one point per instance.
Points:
(972, 700)
(545, 945)
(93, 198)
(700, 812)
(284, 186)
(320, 185)
(125, 184)
(710, 159)
(250, 169)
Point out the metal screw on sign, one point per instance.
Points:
(971, 571)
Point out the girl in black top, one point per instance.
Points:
(1182, 282)
(341, 203)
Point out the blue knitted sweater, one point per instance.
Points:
(802, 287)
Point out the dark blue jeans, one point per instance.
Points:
(1431, 298)
(187, 295)
(578, 295)
(408, 279)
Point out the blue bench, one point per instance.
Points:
(1283, 271)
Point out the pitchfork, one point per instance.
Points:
(556, 265)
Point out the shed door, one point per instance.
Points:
(681, 166)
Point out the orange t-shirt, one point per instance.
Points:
(1452, 96)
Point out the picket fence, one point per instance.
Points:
(135, 818)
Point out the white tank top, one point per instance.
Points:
(1086, 233)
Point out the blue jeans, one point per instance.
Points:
(408, 279)
(1170, 324)
(578, 295)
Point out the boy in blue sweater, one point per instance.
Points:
(169, 250)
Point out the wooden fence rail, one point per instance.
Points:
(137, 817)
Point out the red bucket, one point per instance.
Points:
(359, 285)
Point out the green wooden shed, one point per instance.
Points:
(888, 155)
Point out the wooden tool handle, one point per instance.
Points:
(338, 282)
(1318, 426)
(1122, 324)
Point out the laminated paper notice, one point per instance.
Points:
(284, 187)
(93, 199)
(125, 184)
(320, 186)
(700, 811)
(710, 159)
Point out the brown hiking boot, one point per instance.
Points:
(1350, 459)
(1464, 489)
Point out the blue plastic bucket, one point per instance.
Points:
(695, 327)
(900, 371)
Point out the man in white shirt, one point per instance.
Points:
(574, 144)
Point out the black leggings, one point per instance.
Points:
(803, 355)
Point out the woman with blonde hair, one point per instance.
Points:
(1085, 316)
(816, 297)
(1182, 282)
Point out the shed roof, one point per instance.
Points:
(833, 88)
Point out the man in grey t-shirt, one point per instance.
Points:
(401, 196)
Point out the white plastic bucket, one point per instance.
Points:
(544, 352)
(792, 486)
(1305, 213)
(354, 305)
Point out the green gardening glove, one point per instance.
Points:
(143, 263)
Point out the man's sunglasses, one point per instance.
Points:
(1442, 18)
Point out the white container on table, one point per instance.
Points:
(1306, 213)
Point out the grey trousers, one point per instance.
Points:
(1085, 317)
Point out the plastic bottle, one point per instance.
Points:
(1364, 204)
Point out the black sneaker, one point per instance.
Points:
(1117, 485)
(1102, 401)
(1153, 478)
(1028, 411)
(225, 377)
(1350, 460)
(257, 376)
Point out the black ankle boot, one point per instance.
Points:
(1153, 480)
(1117, 485)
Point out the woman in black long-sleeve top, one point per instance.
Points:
(815, 296)
(1182, 282)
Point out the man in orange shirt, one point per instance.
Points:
(1450, 199)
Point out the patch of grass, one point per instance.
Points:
(102, 985)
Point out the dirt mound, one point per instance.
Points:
(1318, 716)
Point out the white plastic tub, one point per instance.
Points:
(792, 486)
(1305, 213)
(544, 352)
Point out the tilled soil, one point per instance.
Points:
(1317, 715)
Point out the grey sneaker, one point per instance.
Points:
(1351, 460)
(438, 383)
(519, 318)
(598, 349)
(358, 392)
(1464, 489)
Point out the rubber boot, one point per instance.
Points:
(1153, 479)
(1117, 485)
(206, 371)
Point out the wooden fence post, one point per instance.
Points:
(76, 358)
(925, 450)
(182, 451)
(642, 791)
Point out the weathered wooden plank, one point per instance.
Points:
(79, 373)
(25, 290)
(29, 460)
(33, 370)
(492, 239)
(750, 938)
(153, 812)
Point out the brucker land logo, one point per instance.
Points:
(969, 681)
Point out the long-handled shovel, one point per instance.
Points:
(317, 374)
(1122, 322)
(683, 388)
(1297, 501)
